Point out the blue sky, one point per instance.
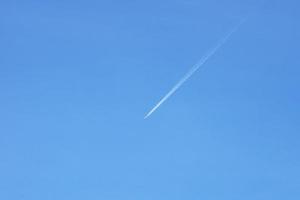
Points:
(77, 78)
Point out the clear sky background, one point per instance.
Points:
(77, 78)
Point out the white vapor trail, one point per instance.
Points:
(202, 61)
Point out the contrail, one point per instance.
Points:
(202, 61)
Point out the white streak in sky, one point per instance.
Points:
(202, 61)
